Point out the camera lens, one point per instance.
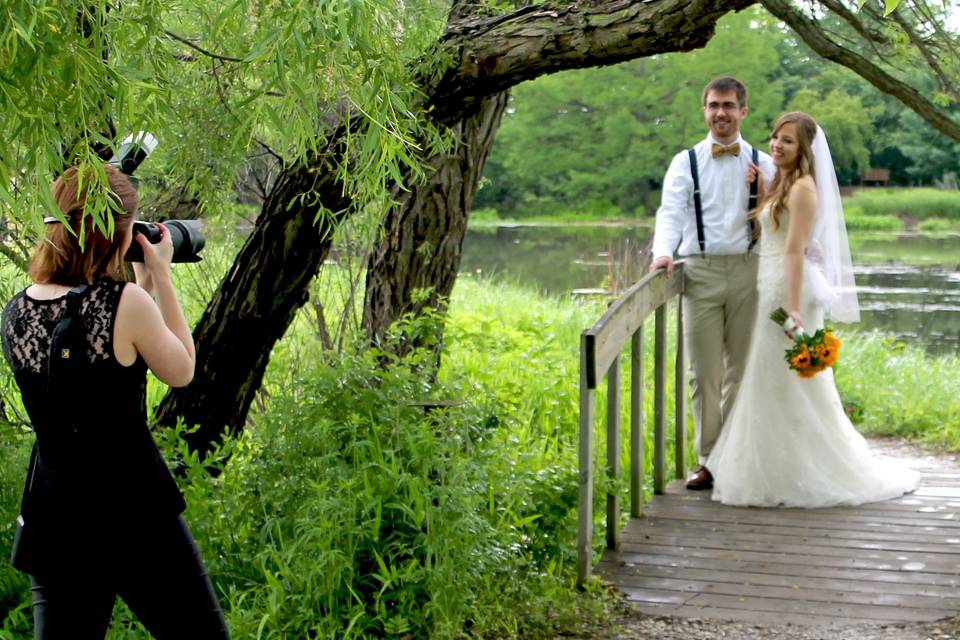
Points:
(185, 236)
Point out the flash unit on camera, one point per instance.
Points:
(133, 150)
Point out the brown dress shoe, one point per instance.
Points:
(700, 479)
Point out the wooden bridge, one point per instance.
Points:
(682, 554)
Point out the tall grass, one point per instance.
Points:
(915, 202)
(899, 390)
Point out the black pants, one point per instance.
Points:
(158, 573)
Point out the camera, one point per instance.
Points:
(185, 234)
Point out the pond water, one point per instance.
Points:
(909, 285)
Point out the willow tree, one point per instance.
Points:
(322, 88)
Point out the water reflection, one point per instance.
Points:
(916, 303)
(908, 285)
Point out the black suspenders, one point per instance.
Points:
(752, 203)
(698, 205)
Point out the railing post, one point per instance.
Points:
(636, 423)
(659, 397)
(585, 513)
(601, 349)
(613, 453)
(680, 437)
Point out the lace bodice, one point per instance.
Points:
(773, 238)
(94, 460)
(28, 324)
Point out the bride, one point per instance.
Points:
(787, 441)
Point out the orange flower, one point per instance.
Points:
(827, 351)
(801, 359)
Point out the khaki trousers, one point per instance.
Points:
(719, 311)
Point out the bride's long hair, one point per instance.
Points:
(776, 195)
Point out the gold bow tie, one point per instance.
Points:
(719, 149)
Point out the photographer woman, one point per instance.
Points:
(100, 515)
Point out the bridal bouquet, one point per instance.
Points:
(809, 355)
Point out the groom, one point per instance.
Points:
(709, 228)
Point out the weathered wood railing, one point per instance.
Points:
(600, 348)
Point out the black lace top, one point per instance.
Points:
(95, 457)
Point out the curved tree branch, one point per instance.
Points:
(492, 54)
(946, 82)
(923, 12)
(200, 49)
(851, 18)
(813, 35)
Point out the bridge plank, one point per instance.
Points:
(906, 608)
(776, 567)
(639, 574)
(704, 602)
(774, 543)
(688, 532)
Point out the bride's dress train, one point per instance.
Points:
(788, 441)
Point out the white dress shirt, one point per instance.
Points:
(724, 194)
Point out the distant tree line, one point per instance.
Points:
(596, 142)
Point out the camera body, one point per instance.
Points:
(185, 234)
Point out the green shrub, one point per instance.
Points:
(914, 202)
(937, 225)
(348, 510)
(900, 390)
(485, 215)
(861, 222)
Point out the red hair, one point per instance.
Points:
(58, 257)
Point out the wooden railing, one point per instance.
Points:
(600, 348)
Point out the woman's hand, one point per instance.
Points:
(754, 175)
(156, 257)
(797, 324)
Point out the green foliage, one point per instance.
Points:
(599, 140)
(938, 225)
(914, 203)
(901, 391)
(608, 134)
(213, 82)
(848, 124)
(856, 221)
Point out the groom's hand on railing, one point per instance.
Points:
(663, 262)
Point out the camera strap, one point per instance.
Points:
(68, 345)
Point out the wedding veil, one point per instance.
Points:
(829, 250)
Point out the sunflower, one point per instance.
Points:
(827, 350)
(800, 359)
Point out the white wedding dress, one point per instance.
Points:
(787, 441)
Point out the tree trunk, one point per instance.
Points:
(269, 278)
(256, 302)
(423, 233)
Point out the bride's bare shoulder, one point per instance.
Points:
(804, 183)
(803, 195)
